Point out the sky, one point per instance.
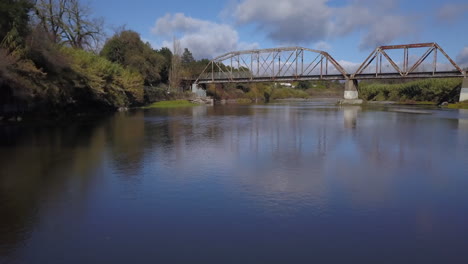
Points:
(347, 29)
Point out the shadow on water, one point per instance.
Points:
(37, 163)
(257, 183)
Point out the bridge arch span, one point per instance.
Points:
(276, 64)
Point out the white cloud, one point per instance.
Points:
(305, 21)
(462, 58)
(322, 45)
(287, 21)
(451, 12)
(349, 66)
(205, 39)
(385, 31)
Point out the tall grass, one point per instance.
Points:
(254, 92)
(433, 90)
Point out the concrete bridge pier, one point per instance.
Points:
(351, 94)
(464, 90)
(198, 90)
(351, 90)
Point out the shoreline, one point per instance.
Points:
(54, 116)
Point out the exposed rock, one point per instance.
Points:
(444, 104)
(351, 102)
(202, 100)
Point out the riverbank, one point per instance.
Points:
(460, 105)
(428, 91)
(170, 104)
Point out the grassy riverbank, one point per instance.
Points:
(460, 105)
(170, 104)
(419, 91)
(255, 92)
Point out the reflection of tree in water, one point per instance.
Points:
(174, 133)
(40, 164)
(126, 138)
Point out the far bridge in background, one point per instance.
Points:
(303, 64)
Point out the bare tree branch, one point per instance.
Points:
(69, 22)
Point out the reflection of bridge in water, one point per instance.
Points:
(303, 64)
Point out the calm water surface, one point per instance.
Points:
(303, 182)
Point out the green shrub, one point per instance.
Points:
(108, 82)
(434, 90)
(285, 93)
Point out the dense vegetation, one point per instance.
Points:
(49, 62)
(432, 90)
(264, 92)
(127, 49)
(44, 64)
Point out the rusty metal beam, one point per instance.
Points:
(408, 46)
(366, 62)
(423, 57)
(407, 70)
(450, 59)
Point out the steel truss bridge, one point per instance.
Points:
(301, 64)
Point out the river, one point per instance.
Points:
(288, 182)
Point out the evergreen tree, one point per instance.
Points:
(165, 68)
(187, 57)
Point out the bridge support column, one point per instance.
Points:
(198, 91)
(351, 92)
(464, 90)
(194, 88)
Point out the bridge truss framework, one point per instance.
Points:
(298, 63)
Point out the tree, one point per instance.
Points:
(188, 64)
(69, 22)
(175, 72)
(14, 19)
(165, 68)
(127, 48)
(187, 57)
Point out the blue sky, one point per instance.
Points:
(348, 30)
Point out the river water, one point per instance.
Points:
(290, 182)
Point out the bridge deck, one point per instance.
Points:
(332, 77)
(298, 63)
